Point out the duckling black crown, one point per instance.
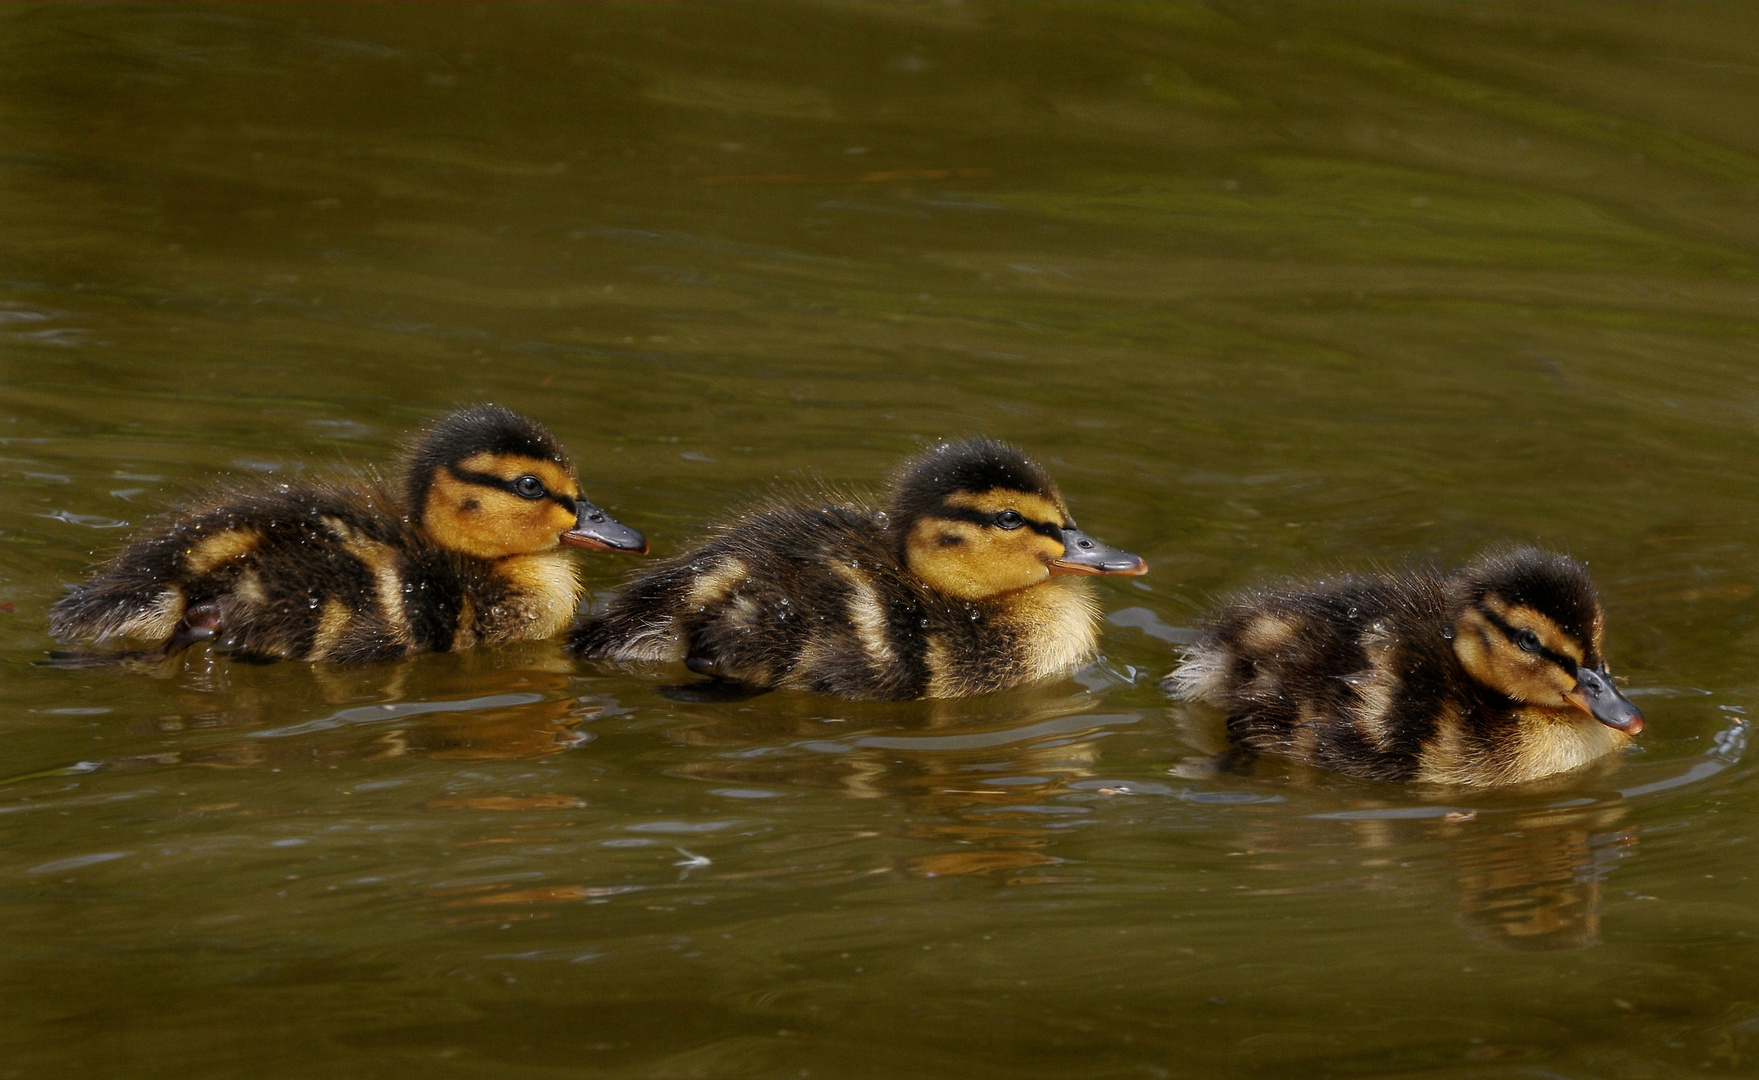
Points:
(972, 465)
(1556, 586)
(482, 429)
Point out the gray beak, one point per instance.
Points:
(1598, 697)
(1082, 554)
(595, 529)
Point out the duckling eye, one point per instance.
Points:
(1527, 641)
(529, 487)
(1009, 519)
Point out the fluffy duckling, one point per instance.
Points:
(465, 553)
(1489, 675)
(960, 586)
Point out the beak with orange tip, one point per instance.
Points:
(1082, 554)
(1598, 697)
(595, 529)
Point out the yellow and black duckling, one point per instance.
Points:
(1489, 675)
(466, 553)
(957, 587)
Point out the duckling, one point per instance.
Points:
(1489, 675)
(465, 553)
(960, 586)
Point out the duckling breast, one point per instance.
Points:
(1546, 742)
(979, 647)
(541, 594)
(1057, 628)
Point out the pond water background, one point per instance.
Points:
(1273, 289)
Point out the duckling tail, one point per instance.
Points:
(640, 625)
(197, 623)
(117, 606)
(624, 635)
(1202, 674)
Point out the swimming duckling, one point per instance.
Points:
(958, 587)
(464, 554)
(1489, 675)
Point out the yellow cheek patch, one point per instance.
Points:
(1027, 547)
(1495, 661)
(939, 537)
(559, 520)
(510, 514)
(973, 562)
(490, 523)
(1033, 507)
(448, 494)
(1541, 684)
(1472, 643)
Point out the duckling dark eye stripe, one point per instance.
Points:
(490, 480)
(978, 517)
(1509, 632)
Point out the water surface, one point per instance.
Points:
(1272, 289)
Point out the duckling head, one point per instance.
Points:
(977, 519)
(1529, 625)
(490, 483)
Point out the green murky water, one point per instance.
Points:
(1271, 288)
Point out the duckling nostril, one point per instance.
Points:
(1084, 544)
(595, 517)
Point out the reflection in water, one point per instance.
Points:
(997, 787)
(506, 733)
(963, 780)
(1521, 879)
(1274, 289)
(534, 715)
(1534, 881)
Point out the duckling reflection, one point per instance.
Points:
(485, 707)
(979, 791)
(1534, 883)
(933, 739)
(1526, 880)
(1521, 879)
(497, 734)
